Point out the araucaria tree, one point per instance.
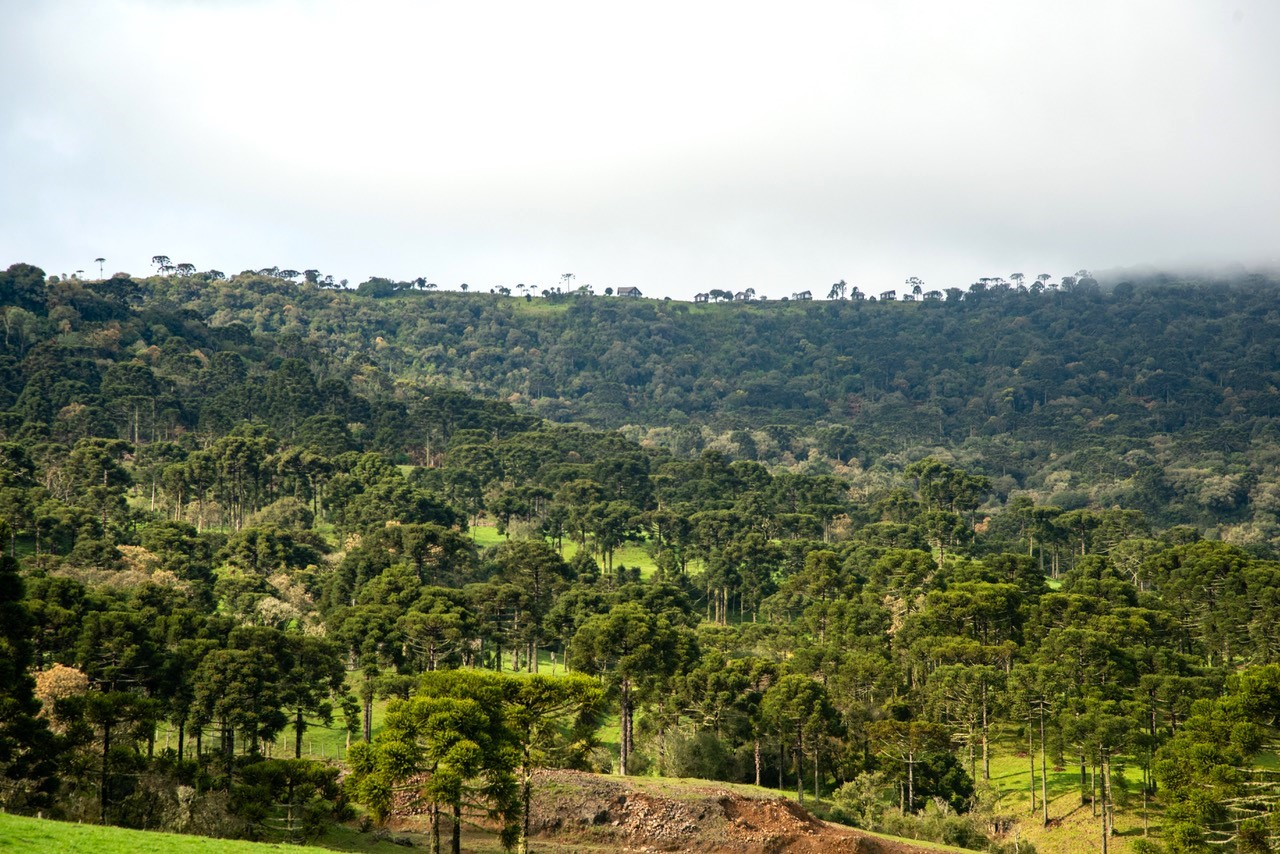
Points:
(448, 746)
(27, 748)
(633, 650)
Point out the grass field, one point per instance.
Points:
(630, 554)
(21, 834)
(31, 834)
(1072, 826)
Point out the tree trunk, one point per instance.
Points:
(1107, 813)
(628, 728)
(986, 753)
(1093, 789)
(662, 740)
(455, 844)
(757, 762)
(1146, 788)
(799, 773)
(1103, 812)
(816, 794)
(526, 798)
(1084, 783)
(1044, 777)
(229, 749)
(911, 781)
(102, 787)
(624, 702)
(1031, 757)
(297, 735)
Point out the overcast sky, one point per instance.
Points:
(675, 147)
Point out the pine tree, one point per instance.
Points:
(27, 748)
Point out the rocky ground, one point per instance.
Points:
(647, 814)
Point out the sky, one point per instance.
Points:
(671, 146)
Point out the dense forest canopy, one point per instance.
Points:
(860, 548)
(1157, 357)
(1158, 395)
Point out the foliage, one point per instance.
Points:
(26, 746)
(880, 540)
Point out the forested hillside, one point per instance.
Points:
(972, 568)
(1159, 395)
(1159, 357)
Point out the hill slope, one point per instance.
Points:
(1154, 357)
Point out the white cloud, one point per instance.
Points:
(672, 146)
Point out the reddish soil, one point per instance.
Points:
(640, 815)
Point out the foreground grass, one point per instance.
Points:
(20, 834)
(31, 834)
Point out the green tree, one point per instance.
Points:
(1034, 688)
(370, 635)
(551, 719)
(541, 572)
(313, 676)
(798, 710)
(305, 790)
(437, 629)
(633, 649)
(120, 719)
(240, 690)
(27, 748)
(909, 743)
(23, 285)
(450, 746)
(98, 477)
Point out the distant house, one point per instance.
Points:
(629, 292)
(888, 296)
(701, 297)
(744, 296)
(803, 295)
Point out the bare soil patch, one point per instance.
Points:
(660, 815)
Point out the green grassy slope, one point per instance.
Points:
(29, 834)
(1073, 826)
